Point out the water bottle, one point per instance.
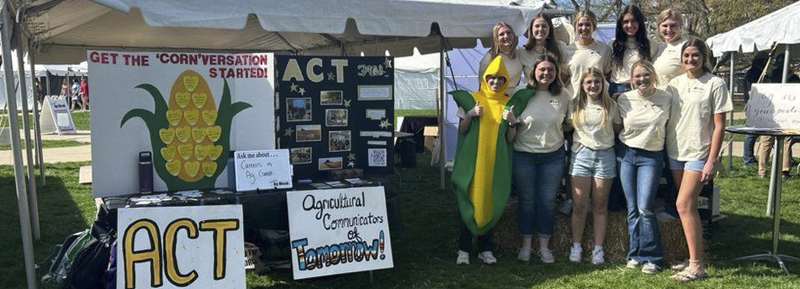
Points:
(145, 173)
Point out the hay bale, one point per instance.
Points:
(508, 238)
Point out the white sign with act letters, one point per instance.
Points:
(263, 169)
(180, 247)
(774, 105)
(338, 231)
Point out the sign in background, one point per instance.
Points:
(57, 117)
(335, 113)
(264, 169)
(189, 109)
(180, 247)
(774, 105)
(338, 231)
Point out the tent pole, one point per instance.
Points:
(730, 144)
(37, 128)
(786, 58)
(26, 124)
(19, 178)
(440, 109)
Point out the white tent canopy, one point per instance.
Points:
(781, 26)
(64, 29)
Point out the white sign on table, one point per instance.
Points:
(338, 231)
(180, 247)
(60, 118)
(774, 105)
(263, 169)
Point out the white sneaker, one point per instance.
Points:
(633, 264)
(463, 258)
(487, 257)
(546, 256)
(575, 254)
(650, 268)
(524, 254)
(598, 256)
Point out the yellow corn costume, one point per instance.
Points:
(482, 168)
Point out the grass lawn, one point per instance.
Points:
(48, 144)
(424, 253)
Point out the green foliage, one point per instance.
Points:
(729, 14)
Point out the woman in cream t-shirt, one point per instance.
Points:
(694, 139)
(541, 41)
(644, 112)
(538, 165)
(630, 45)
(668, 57)
(585, 52)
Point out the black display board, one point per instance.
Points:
(335, 113)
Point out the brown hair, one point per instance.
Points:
(550, 43)
(702, 47)
(556, 86)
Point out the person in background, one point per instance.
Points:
(752, 76)
(630, 45)
(644, 112)
(539, 157)
(593, 161)
(481, 172)
(504, 43)
(767, 142)
(84, 94)
(75, 92)
(668, 57)
(585, 52)
(541, 40)
(694, 140)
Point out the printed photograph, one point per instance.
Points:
(308, 133)
(339, 141)
(330, 163)
(330, 97)
(335, 117)
(298, 109)
(300, 156)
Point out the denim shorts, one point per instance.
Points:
(697, 166)
(589, 163)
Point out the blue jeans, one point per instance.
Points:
(537, 178)
(618, 88)
(749, 144)
(640, 173)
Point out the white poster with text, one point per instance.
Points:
(180, 247)
(774, 105)
(338, 231)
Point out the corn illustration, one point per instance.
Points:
(189, 135)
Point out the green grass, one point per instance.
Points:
(48, 144)
(81, 119)
(424, 252)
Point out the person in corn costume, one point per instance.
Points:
(482, 169)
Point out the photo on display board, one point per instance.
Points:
(339, 141)
(298, 109)
(374, 92)
(301, 155)
(330, 97)
(308, 133)
(330, 164)
(335, 117)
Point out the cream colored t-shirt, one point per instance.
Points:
(668, 62)
(644, 119)
(590, 131)
(694, 105)
(513, 66)
(528, 58)
(579, 58)
(622, 73)
(541, 128)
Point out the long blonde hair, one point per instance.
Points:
(495, 39)
(580, 102)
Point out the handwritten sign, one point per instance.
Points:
(774, 105)
(263, 169)
(180, 247)
(338, 231)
